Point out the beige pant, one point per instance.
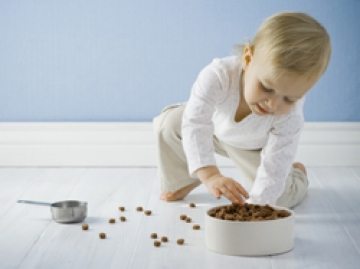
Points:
(172, 164)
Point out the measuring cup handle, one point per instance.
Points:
(33, 202)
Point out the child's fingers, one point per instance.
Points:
(235, 192)
(216, 193)
(230, 195)
(242, 190)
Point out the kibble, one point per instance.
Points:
(102, 235)
(188, 220)
(196, 227)
(153, 235)
(180, 241)
(183, 217)
(111, 220)
(121, 208)
(192, 205)
(122, 218)
(248, 212)
(157, 243)
(147, 212)
(164, 239)
(139, 208)
(85, 227)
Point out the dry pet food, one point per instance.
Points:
(153, 235)
(85, 227)
(188, 220)
(121, 208)
(122, 218)
(147, 212)
(183, 217)
(139, 208)
(180, 241)
(157, 243)
(248, 212)
(111, 220)
(102, 235)
(196, 227)
(164, 239)
(192, 205)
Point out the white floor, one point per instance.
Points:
(327, 229)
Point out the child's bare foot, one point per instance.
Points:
(179, 194)
(300, 166)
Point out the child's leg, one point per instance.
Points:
(173, 173)
(248, 162)
(296, 187)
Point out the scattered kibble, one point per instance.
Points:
(153, 235)
(85, 227)
(122, 218)
(157, 243)
(147, 212)
(196, 227)
(139, 208)
(192, 205)
(111, 220)
(183, 217)
(121, 208)
(102, 235)
(188, 220)
(180, 241)
(164, 239)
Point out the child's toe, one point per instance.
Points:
(300, 166)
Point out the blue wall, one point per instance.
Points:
(123, 60)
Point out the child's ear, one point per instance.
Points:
(247, 57)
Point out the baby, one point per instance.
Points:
(249, 108)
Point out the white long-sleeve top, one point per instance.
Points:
(211, 110)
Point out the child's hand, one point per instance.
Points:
(220, 185)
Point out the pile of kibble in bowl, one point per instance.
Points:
(248, 212)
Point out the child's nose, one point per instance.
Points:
(273, 102)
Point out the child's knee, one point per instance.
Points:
(168, 124)
(296, 189)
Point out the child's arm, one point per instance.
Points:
(210, 88)
(218, 185)
(277, 158)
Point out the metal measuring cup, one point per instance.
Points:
(70, 211)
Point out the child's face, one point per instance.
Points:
(268, 91)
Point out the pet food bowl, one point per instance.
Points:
(250, 238)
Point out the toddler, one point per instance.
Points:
(249, 108)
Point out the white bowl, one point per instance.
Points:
(250, 238)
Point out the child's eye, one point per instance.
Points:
(287, 100)
(266, 89)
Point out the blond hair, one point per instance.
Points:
(293, 41)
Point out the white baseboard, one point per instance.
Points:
(133, 144)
